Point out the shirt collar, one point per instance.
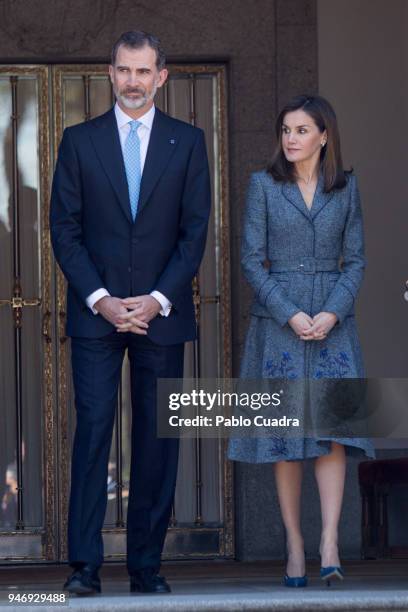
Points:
(122, 118)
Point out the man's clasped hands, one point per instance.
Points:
(130, 314)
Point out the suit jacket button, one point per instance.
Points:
(129, 269)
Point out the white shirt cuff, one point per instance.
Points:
(94, 297)
(163, 301)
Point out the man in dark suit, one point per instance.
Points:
(129, 213)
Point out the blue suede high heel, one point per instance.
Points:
(330, 572)
(296, 581)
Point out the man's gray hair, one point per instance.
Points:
(136, 39)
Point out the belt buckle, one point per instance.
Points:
(308, 265)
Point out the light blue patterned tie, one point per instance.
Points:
(131, 155)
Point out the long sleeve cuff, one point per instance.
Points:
(94, 297)
(163, 301)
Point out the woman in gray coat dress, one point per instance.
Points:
(303, 217)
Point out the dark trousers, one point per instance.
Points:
(96, 367)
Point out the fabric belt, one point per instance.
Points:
(307, 265)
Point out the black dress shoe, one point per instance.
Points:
(83, 581)
(147, 580)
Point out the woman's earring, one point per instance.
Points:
(323, 143)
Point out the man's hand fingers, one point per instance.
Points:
(139, 321)
(131, 302)
(134, 330)
(129, 315)
(126, 316)
(129, 327)
(137, 330)
(133, 322)
(132, 299)
(134, 306)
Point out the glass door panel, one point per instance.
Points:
(27, 414)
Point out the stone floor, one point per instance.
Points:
(222, 585)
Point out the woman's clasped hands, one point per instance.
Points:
(313, 328)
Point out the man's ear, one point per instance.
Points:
(163, 74)
(111, 69)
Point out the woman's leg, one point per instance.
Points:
(330, 471)
(288, 476)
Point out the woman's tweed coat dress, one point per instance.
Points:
(304, 248)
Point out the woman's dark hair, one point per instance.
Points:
(331, 164)
(137, 40)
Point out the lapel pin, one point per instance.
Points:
(172, 141)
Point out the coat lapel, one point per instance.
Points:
(162, 145)
(320, 198)
(105, 138)
(292, 193)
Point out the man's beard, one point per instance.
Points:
(135, 103)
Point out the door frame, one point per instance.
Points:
(223, 535)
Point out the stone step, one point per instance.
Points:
(225, 586)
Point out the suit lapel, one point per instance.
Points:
(105, 137)
(162, 145)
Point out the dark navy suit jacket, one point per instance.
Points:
(97, 244)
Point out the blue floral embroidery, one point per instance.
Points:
(284, 369)
(332, 366)
(277, 446)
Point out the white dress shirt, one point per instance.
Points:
(143, 131)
